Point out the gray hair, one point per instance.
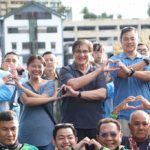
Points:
(133, 113)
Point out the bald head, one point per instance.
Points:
(139, 113)
(139, 125)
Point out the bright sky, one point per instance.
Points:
(127, 8)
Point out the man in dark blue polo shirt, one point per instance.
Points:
(86, 90)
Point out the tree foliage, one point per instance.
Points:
(119, 16)
(62, 9)
(89, 15)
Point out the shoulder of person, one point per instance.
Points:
(28, 147)
(66, 67)
(48, 82)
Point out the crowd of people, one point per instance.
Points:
(66, 109)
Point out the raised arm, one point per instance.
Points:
(77, 83)
(99, 94)
(33, 101)
(28, 92)
(124, 73)
(140, 75)
(123, 106)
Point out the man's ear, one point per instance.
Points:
(129, 125)
(76, 140)
(121, 41)
(57, 63)
(54, 143)
(121, 135)
(97, 137)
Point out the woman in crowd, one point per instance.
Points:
(35, 125)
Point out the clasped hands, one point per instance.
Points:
(86, 140)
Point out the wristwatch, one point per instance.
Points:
(131, 71)
(146, 61)
(79, 94)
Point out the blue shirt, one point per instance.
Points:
(35, 126)
(125, 87)
(7, 91)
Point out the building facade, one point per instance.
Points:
(7, 6)
(107, 31)
(32, 29)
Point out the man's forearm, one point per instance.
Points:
(99, 94)
(80, 82)
(142, 75)
(137, 67)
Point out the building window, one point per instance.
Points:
(26, 45)
(14, 46)
(12, 30)
(53, 46)
(33, 15)
(52, 30)
(68, 28)
(44, 15)
(41, 45)
(25, 59)
(53, 4)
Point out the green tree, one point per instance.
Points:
(62, 9)
(87, 14)
(119, 16)
(85, 11)
(111, 16)
(148, 10)
(104, 15)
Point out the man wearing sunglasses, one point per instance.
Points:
(109, 134)
(65, 136)
(133, 77)
(143, 49)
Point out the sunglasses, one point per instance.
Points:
(64, 124)
(105, 134)
(142, 50)
(128, 28)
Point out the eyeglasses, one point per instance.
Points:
(64, 124)
(105, 134)
(142, 50)
(84, 52)
(126, 29)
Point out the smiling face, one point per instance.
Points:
(35, 68)
(65, 139)
(139, 126)
(81, 55)
(110, 142)
(129, 41)
(8, 132)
